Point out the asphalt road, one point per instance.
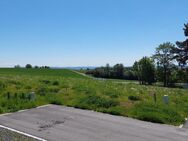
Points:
(186, 125)
(58, 123)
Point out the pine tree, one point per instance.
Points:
(181, 51)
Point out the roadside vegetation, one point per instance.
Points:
(65, 87)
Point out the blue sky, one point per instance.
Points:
(86, 32)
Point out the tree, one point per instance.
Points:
(17, 66)
(181, 51)
(28, 66)
(129, 74)
(46, 67)
(164, 60)
(136, 69)
(107, 70)
(36, 67)
(145, 70)
(118, 70)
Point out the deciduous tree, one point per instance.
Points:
(165, 61)
(145, 70)
(28, 66)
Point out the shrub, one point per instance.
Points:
(134, 98)
(54, 90)
(28, 87)
(8, 95)
(46, 81)
(42, 91)
(55, 83)
(2, 85)
(23, 96)
(15, 95)
(98, 101)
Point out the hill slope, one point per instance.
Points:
(65, 87)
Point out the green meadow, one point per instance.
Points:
(65, 87)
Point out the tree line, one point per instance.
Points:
(117, 71)
(29, 66)
(167, 65)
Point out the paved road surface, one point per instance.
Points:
(58, 123)
(186, 124)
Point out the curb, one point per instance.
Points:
(182, 125)
(22, 133)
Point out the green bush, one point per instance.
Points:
(54, 90)
(22, 96)
(46, 81)
(98, 101)
(2, 85)
(43, 91)
(8, 95)
(134, 98)
(55, 83)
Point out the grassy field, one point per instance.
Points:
(65, 87)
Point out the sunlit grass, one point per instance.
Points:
(64, 87)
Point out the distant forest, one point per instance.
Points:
(167, 65)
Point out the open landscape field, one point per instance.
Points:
(93, 70)
(65, 87)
